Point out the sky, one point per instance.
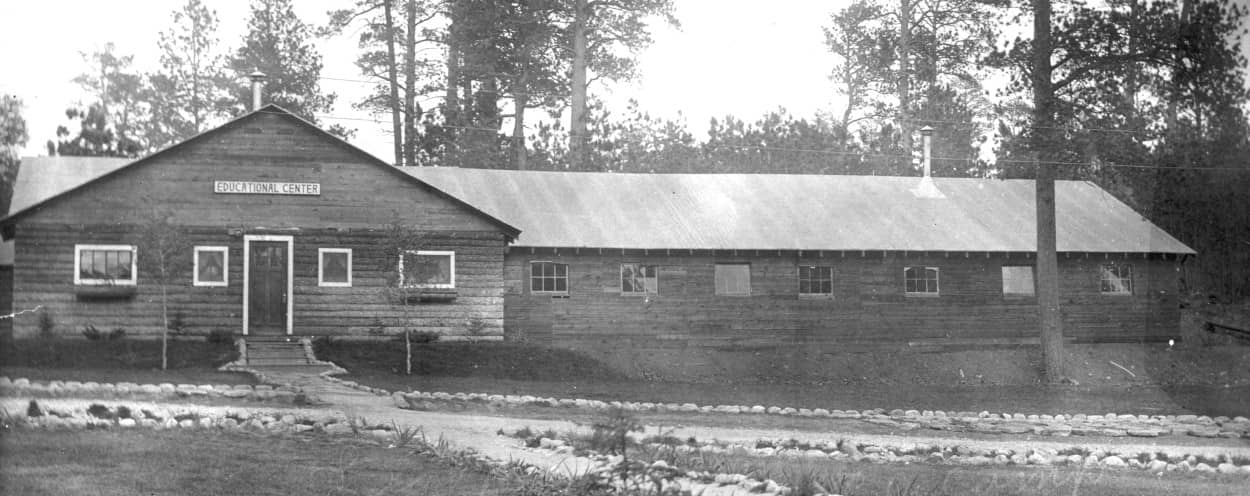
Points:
(730, 57)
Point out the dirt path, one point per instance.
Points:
(479, 432)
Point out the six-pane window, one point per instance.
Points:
(920, 280)
(334, 267)
(549, 277)
(1116, 279)
(210, 266)
(104, 264)
(637, 278)
(815, 280)
(733, 279)
(1018, 280)
(427, 269)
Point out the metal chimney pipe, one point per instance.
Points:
(927, 132)
(258, 82)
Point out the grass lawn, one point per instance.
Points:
(125, 360)
(116, 462)
(508, 368)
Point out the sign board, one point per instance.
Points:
(263, 188)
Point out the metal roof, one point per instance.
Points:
(40, 178)
(794, 212)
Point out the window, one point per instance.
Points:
(733, 279)
(639, 279)
(427, 269)
(920, 281)
(334, 267)
(815, 281)
(1116, 279)
(210, 266)
(549, 277)
(104, 265)
(1018, 280)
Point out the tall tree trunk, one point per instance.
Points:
(1049, 314)
(577, 125)
(410, 91)
(904, 76)
(393, 77)
(451, 102)
(521, 100)
(1177, 62)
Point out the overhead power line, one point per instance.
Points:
(845, 153)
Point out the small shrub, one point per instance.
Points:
(476, 327)
(220, 337)
(611, 432)
(116, 334)
(418, 337)
(123, 412)
(99, 411)
(178, 323)
(89, 331)
(376, 328)
(403, 436)
(33, 410)
(47, 325)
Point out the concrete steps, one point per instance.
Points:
(274, 351)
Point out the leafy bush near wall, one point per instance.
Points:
(92, 334)
(220, 337)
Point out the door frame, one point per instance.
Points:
(290, 275)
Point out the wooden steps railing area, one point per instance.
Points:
(273, 351)
(1238, 333)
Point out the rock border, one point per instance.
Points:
(76, 389)
(1062, 425)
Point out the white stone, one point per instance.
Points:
(1114, 461)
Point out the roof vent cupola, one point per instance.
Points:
(258, 83)
(926, 188)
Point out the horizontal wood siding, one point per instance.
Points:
(355, 192)
(6, 298)
(45, 264)
(868, 304)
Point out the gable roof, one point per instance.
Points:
(795, 212)
(62, 186)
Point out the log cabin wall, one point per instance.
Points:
(6, 298)
(867, 307)
(45, 267)
(358, 199)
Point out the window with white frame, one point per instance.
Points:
(549, 277)
(733, 279)
(99, 265)
(334, 267)
(1116, 279)
(1018, 280)
(211, 264)
(920, 281)
(815, 281)
(639, 279)
(427, 269)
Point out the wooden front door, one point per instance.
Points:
(267, 287)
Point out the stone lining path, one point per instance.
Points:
(479, 432)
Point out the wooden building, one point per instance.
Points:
(288, 227)
(832, 262)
